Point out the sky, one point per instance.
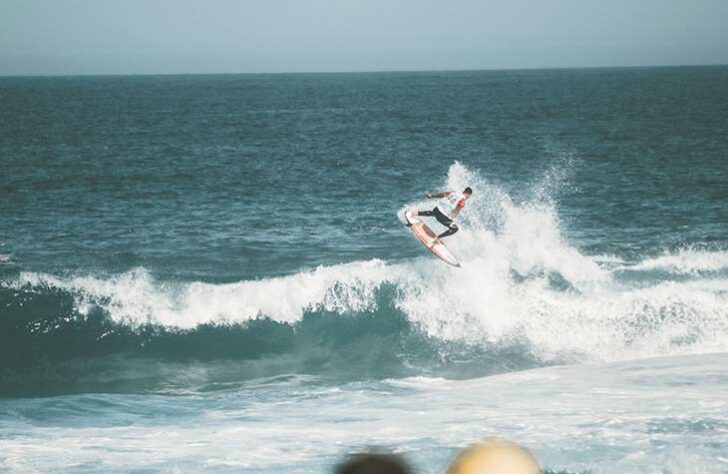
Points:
(58, 37)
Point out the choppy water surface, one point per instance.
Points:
(207, 273)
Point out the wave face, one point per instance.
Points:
(525, 297)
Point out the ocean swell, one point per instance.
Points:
(525, 297)
(363, 319)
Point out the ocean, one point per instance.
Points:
(209, 273)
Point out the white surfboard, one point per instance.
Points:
(429, 239)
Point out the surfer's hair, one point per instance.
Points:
(496, 448)
(373, 462)
(468, 190)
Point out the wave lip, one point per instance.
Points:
(685, 262)
(135, 297)
(525, 297)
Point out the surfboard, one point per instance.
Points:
(425, 235)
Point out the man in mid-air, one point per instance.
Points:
(447, 210)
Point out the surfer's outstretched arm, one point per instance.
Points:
(435, 196)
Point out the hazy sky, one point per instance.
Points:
(180, 36)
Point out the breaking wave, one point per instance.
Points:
(686, 261)
(525, 297)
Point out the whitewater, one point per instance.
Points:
(233, 289)
(525, 298)
(523, 282)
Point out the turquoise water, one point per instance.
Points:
(208, 273)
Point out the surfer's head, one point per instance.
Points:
(467, 192)
(495, 456)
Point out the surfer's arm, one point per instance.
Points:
(458, 208)
(435, 196)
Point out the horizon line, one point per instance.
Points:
(371, 71)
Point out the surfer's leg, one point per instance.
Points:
(446, 221)
(451, 229)
(423, 213)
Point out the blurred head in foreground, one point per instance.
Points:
(373, 464)
(494, 456)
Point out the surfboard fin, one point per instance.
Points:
(408, 217)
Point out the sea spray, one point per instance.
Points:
(525, 295)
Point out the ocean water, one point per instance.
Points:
(209, 274)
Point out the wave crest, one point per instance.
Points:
(525, 296)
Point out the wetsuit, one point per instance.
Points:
(444, 211)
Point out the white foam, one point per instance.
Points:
(685, 262)
(136, 297)
(503, 292)
(643, 413)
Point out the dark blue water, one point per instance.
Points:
(230, 177)
(198, 234)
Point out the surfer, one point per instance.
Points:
(447, 210)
